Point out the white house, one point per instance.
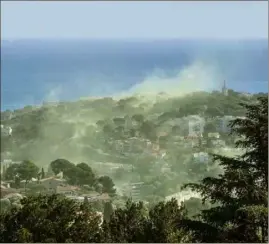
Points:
(218, 143)
(194, 125)
(201, 157)
(6, 130)
(222, 124)
(52, 183)
(183, 196)
(213, 135)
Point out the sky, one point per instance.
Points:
(134, 20)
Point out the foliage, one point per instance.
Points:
(108, 210)
(108, 185)
(50, 219)
(161, 226)
(25, 171)
(126, 225)
(235, 208)
(242, 187)
(42, 173)
(80, 174)
(60, 165)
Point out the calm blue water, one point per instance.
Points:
(34, 71)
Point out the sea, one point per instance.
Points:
(34, 71)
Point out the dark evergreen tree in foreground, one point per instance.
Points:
(241, 192)
(50, 219)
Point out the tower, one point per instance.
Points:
(224, 89)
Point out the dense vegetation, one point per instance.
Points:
(238, 210)
(108, 130)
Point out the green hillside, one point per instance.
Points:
(117, 131)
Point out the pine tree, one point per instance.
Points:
(42, 173)
(3, 173)
(241, 191)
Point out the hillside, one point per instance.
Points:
(136, 133)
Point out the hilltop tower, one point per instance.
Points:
(224, 89)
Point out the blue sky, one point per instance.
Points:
(140, 20)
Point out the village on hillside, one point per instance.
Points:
(136, 161)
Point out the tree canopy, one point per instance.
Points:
(242, 190)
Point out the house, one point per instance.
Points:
(183, 196)
(213, 135)
(193, 125)
(201, 157)
(222, 124)
(6, 131)
(5, 184)
(218, 143)
(245, 94)
(52, 183)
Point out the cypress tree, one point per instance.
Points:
(42, 173)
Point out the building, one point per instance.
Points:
(108, 168)
(222, 124)
(132, 190)
(201, 157)
(213, 135)
(193, 125)
(135, 190)
(52, 183)
(245, 94)
(6, 131)
(5, 184)
(218, 143)
(183, 196)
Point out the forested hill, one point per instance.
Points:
(78, 130)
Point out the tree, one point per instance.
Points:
(60, 165)
(136, 223)
(86, 200)
(108, 185)
(27, 170)
(17, 181)
(42, 173)
(3, 172)
(126, 224)
(241, 192)
(5, 205)
(108, 210)
(138, 118)
(119, 121)
(11, 171)
(120, 173)
(176, 129)
(209, 128)
(86, 176)
(161, 227)
(23, 171)
(148, 129)
(51, 218)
